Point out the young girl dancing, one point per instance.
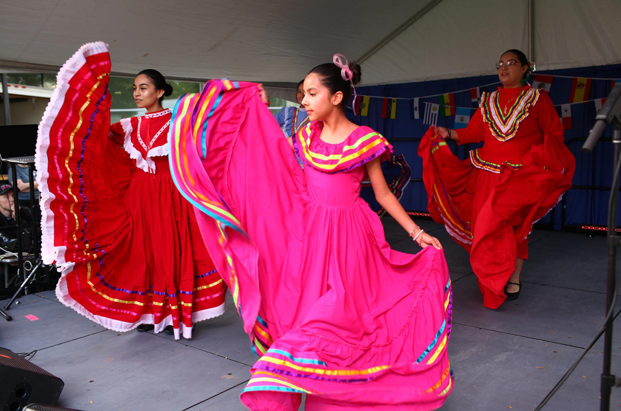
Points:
(331, 310)
(126, 242)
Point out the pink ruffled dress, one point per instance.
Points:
(331, 310)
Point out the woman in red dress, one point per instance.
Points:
(114, 224)
(489, 202)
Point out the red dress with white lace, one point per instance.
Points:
(126, 242)
(152, 266)
(166, 258)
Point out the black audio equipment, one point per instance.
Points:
(23, 383)
(18, 141)
(42, 407)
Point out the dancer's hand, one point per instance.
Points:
(426, 240)
(263, 94)
(443, 132)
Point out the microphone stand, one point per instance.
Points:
(610, 113)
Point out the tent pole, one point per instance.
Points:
(531, 30)
(398, 30)
(5, 100)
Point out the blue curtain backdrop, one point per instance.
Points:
(580, 205)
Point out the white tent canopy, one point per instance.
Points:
(278, 41)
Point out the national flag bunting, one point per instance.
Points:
(542, 82)
(566, 116)
(384, 108)
(393, 109)
(599, 103)
(475, 95)
(364, 107)
(431, 113)
(415, 112)
(462, 117)
(447, 105)
(580, 90)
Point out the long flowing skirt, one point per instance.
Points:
(331, 310)
(126, 242)
(491, 214)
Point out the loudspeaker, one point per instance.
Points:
(22, 383)
(39, 407)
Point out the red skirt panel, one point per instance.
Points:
(126, 241)
(491, 214)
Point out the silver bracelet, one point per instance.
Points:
(417, 234)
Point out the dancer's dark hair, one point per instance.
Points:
(331, 78)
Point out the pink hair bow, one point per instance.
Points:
(341, 62)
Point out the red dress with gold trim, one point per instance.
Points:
(489, 202)
(125, 240)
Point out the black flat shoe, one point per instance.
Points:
(169, 330)
(514, 296)
(143, 328)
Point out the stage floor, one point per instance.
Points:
(507, 359)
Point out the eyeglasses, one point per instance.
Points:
(508, 64)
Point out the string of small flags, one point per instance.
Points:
(566, 110)
(445, 106)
